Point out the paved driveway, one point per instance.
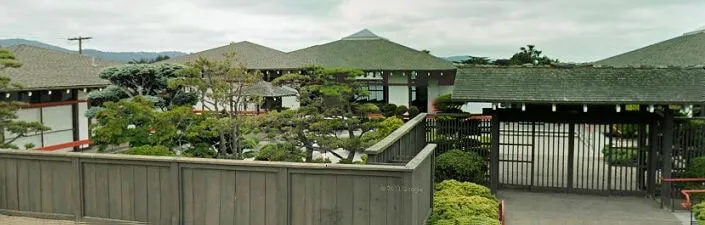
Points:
(527, 208)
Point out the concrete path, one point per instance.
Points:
(527, 208)
(16, 220)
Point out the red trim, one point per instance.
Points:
(65, 145)
(49, 104)
(686, 204)
(683, 179)
(502, 212)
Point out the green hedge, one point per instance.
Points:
(620, 156)
(454, 187)
(150, 150)
(463, 203)
(461, 166)
(699, 213)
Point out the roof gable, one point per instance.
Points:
(685, 50)
(364, 50)
(580, 85)
(47, 69)
(253, 55)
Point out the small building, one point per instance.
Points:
(394, 73)
(55, 86)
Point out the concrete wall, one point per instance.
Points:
(173, 190)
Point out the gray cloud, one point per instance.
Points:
(572, 30)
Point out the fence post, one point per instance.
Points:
(283, 196)
(667, 154)
(494, 153)
(78, 189)
(176, 194)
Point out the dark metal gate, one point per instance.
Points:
(600, 153)
(574, 157)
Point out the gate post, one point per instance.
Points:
(494, 153)
(667, 154)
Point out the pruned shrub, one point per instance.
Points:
(620, 156)
(389, 110)
(699, 213)
(454, 187)
(249, 143)
(401, 110)
(461, 166)
(467, 220)
(457, 206)
(280, 152)
(414, 111)
(201, 151)
(150, 150)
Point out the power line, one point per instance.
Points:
(80, 43)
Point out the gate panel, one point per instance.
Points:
(587, 158)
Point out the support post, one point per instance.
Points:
(651, 174)
(667, 146)
(641, 157)
(494, 153)
(571, 153)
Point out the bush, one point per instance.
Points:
(620, 156)
(201, 151)
(461, 166)
(444, 103)
(457, 206)
(695, 169)
(150, 150)
(414, 111)
(320, 160)
(386, 127)
(628, 131)
(467, 220)
(249, 143)
(454, 187)
(280, 152)
(463, 203)
(401, 110)
(389, 110)
(699, 213)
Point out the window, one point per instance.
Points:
(375, 94)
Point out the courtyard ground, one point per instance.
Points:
(527, 208)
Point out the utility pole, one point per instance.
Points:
(80, 43)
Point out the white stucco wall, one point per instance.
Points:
(82, 121)
(398, 78)
(29, 115)
(432, 93)
(399, 95)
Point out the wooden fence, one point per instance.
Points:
(174, 190)
(401, 145)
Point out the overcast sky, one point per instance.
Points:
(572, 30)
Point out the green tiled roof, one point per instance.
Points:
(365, 50)
(254, 56)
(686, 50)
(581, 85)
(47, 69)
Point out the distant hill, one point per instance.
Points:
(112, 56)
(457, 58)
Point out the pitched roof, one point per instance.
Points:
(254, 56)
(580, 85)
(48, 69)
(685, 50)
(267, 89)
(365, 50)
